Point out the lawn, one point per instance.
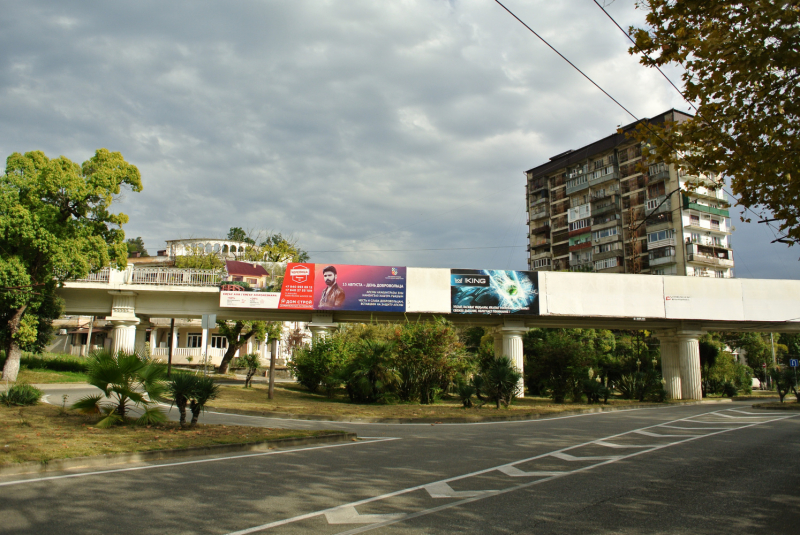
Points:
(42, 376)
(44, 432)
(290, 398)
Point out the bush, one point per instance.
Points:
(370, 375)
(729, 389)
(428, 356)
(316, 365)
(51, 361)
(641, 386)
(500, 381)
(465, 391)
(557, 364)
(21, 394)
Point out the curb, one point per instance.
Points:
(159, 455)
(479, 419)
(791, 406)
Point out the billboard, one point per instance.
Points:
(483, 291)
(309, 286)
(360, 288)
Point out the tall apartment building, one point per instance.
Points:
(602, 208)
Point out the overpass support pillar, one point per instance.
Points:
(141, 336)
(123, 320)
(321, 326)
(689, 355)
(508, 342)
(670, 365)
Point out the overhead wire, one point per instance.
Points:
(644, 122)
(603, 9)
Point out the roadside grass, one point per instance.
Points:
(787, 405)
(44, 433)
(291, 398)
(42, 376)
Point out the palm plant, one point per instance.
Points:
(193, 391)
(126, 381)
(500, 381)
(370, 375)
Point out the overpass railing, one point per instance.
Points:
(175, 277)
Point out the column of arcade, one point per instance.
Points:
(680, 363)
(508, 342)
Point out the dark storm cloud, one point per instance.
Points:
(352, 125)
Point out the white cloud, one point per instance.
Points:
(351, 124)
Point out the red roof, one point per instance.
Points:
(235, 267)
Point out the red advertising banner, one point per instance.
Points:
(298, 288)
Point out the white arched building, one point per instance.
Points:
(218, 246)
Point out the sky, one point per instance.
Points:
(382, 133)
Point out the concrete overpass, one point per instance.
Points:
(678, 309)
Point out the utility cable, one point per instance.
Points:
(645, 123)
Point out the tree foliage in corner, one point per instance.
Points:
(55, 225)
(136, 245)
(741, 64)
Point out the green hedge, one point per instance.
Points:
(50, 361)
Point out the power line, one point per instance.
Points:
(645, 55)
(682, 96)
(645, 123)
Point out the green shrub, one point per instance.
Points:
(729, 389)
(428, 356)
(641, 386)
(312, 365)
(51, 361)
(21, 394)
(465, 391)
(369, 375)
(500, 381)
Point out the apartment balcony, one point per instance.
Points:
(654, 206)
(688, 205)
(657, 177)
(717, 230)
(538, 215)
(605, 206)
(536, 243)
(541, 229)
(614, 175)
(539, 256)
(539, 200)
(705, 243)
(582, 266)
(578, 183)
(580, 246)
(709, 260)
(669, 259)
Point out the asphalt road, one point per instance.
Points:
(710, 468)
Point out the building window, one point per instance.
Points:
(194, 340)
(605, 233)
(219, 341)
(694, 220)
(577, 225)
(541, 262)
(660, 235)
(715, 224)
(606, 264)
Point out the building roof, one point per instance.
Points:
(235, 267)
(571, 157)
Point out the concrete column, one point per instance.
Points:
(321, 326)
(670, 365)
(123, 334)
(153, 337)
(689, 357)
(141, 336)
(510, 336)
(123, 320)
(174, 341)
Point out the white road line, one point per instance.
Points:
(623, 446)
(568, 457)
(196, 461)
(440, 489)
(314, 514)
(530, 484)
(349, 515)
(649, 434)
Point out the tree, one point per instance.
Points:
(238, 234)
(198, 258)
(741, 63)
(192, 390)
(499, 381)
(557, 363)
(276, 248)
(238, 333)
(136, 245)
(55, 225)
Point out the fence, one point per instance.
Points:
(176, 277)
